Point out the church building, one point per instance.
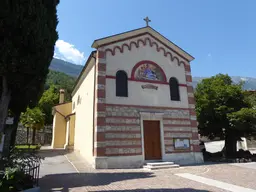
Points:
(132, 103)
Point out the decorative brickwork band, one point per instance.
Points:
(100, 107)
(190, 89)
(123, 132)
(188, 78)
(196, 148)
(152, 42)
(191, 101)
(187, 67)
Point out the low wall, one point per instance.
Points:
(43, 136)
(216, 146)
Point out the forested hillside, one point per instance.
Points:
(65, 67)
(54, 82)
(61, 81)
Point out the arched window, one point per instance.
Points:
(121, 84)
(174, 89)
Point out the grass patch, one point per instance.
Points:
(27, 146)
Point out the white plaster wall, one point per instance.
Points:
(147, 97)
(128, 59)
(137, 96)
(84, 116)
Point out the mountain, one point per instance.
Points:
(249, 82)
(74, 70)
(65, 67)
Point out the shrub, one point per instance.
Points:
(14, 179)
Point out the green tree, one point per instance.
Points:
(49, 98)
(222, 111)
(28, 31)
(61, 81)
(32, 119)
(250, 97)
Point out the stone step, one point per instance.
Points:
(159, 163)
(148, 167)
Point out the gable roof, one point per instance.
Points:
(139, 32)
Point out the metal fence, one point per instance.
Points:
(33, 170)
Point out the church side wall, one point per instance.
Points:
(59, 131)
(83, 99)
(59, 125)
(72, 130)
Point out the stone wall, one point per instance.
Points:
(122, 135)
(123, 132)
(43, 136)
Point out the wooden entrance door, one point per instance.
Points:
(152, 140)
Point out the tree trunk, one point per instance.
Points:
(14, 130)
(34, 136)
(4, 103)
(230, 144)
(27, 134)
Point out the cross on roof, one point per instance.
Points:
(147, 20)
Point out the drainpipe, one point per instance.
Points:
(93, 114)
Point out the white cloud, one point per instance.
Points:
(68, 52)
(243, 79)
(57, 56)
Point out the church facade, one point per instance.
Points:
(132, 103)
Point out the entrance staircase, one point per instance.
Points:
(159, 165)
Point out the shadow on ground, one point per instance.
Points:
(65, 181)
(161, 190)
(53, 153)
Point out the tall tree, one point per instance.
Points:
(28, 34)
(222, 111)
(250, 97)
(49, 98)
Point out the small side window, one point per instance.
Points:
(174, 89)
(121, 84)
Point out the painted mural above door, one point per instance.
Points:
(149, 71)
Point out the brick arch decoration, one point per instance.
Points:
(148, 62)
(144, 42)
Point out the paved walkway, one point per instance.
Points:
(218, 184)
(69, 173)
(251, 165)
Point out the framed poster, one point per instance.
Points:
(181, 143)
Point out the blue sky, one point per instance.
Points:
(221, 35)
